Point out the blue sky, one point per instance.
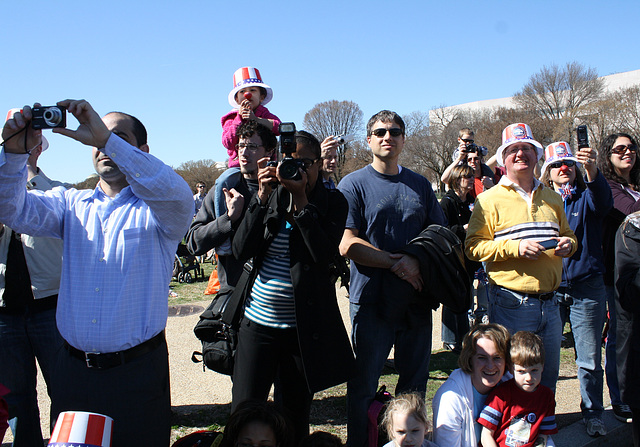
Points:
(171, 63)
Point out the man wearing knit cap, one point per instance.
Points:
(507, 228)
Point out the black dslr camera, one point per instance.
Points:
(288, 165)
(48, 117)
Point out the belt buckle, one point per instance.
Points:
(89, 356)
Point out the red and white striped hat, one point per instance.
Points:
(517, 133)
(247, 77)
(560, 150)
(81, 429)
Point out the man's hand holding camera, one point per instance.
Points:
(91, 131)
(14, 136)
(266, 179)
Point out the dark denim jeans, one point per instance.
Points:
(610, 369)
(23, 338)
(585, 310)
(372, 338)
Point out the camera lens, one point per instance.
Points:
(52, 116)
(289, 169)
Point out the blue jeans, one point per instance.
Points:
(23, 338)
(517, 312)
(372, 338)
(585, 310)
(610, 369)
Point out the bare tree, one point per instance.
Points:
(560, 95)
(199, 171)
(335, 118)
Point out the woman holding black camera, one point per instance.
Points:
(292, 332)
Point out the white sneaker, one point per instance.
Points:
(595, 427)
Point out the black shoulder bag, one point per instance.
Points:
(219, 324)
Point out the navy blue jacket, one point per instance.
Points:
(585, 211)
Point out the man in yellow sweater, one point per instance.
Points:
(519, 229)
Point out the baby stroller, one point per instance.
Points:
(184, 264)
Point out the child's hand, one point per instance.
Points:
(246, 112)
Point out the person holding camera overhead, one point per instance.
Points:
(292, 328)
(471, 154)
(119, 242)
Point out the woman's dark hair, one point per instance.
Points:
(258, 411)
(606, 167)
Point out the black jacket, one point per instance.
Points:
(324, 344)
(440, 254)
(458, 214)
(627, 283)
(208, 231)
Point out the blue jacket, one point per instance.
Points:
(585, 211)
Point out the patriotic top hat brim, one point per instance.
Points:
(557, 151)
(81, 429)
(517, 133)
(248, 77)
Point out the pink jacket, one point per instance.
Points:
(230, 123)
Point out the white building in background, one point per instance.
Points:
(612, 82)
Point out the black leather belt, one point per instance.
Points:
(539, 296)
(108, 360)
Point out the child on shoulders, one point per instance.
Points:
(248, 99)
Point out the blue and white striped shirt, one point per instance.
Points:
(118, 253)
(271, 300)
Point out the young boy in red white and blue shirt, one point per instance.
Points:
(520, 412)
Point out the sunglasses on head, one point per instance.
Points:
(558, 164)
(623, 148)
(381, 132)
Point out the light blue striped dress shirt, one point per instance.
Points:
(118, 253)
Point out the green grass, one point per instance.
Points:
(188, 293)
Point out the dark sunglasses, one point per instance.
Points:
(466, 141)
(619, 150)
(307, 162)
(558, 164)
(381, 132)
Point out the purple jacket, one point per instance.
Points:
(230, 123)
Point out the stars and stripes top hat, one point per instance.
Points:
(557, 151)
(81, 429)
(517, 133)
(247, 77)
(11, 112)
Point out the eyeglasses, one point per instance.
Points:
(620, 150)
(307, 162)
(515, 150)
(250, 146)
(558, 164)
(466, 141)
(381, 132)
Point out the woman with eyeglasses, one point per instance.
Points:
(618, 161)
(581, 295)
(457, 205)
